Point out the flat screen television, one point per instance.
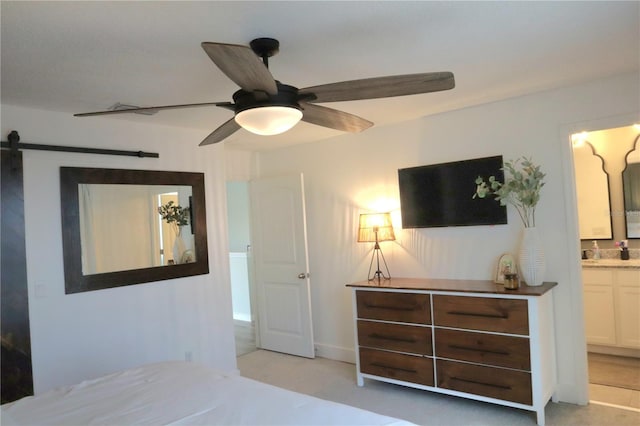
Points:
(440, 195)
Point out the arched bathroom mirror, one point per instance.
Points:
(631, 191)
(113, 233)
(592, 189)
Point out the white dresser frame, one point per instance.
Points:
(541, 345)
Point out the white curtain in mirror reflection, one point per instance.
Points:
(121, 229)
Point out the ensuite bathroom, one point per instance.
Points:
(607, 172)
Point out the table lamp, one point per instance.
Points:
(374, 228)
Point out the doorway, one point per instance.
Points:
(272, 305)
(238, 213)
(611, 295)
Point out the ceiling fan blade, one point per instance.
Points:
(381, 87)
(242, 66)
(221, 133)
(153, 109)
(333, 118)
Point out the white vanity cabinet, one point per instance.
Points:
(612, 306)
(627, 303)
(600, 318)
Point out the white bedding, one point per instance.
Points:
(181, 393)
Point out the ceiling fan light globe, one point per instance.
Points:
(268, 120)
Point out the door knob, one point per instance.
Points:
(302, 276)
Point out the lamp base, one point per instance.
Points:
(378, 275)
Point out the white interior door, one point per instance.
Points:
(279, 239)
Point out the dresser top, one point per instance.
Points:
(465, 286)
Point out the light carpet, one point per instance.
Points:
(335, 381)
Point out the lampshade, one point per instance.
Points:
(268, 120)
(375, 223)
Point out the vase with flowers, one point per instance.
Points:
(521, 189)
(624, 249)
(177, 217)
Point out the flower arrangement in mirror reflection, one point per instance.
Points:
(174, 214)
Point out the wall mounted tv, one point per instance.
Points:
(442, 194)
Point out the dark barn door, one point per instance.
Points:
(17, 380)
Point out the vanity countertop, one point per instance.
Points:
(611, 263)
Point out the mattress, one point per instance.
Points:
(181, 393)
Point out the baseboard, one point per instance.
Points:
(335, 353)
(572, 394)
(610, 350)
(242, 323)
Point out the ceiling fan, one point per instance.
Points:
(266, 106)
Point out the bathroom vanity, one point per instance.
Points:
(467, 338)
(612, 305)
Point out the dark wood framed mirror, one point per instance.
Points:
(631, 191)
(113, 234)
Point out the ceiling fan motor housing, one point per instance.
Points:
(287, 96)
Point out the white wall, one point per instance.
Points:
(79, 336)
(358, 173)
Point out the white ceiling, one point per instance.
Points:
(86, 56)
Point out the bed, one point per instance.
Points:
(181, 393)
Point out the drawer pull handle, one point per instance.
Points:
(392, 338)
(391, 307)
(469, 348)
(391, 367)
(481, 383)
(475, 314)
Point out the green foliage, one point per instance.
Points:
(174, 214)
(521, 188)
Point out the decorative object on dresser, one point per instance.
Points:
(375, 228)
(466, 338)
(506, 265)
(521, 189)
(531, 257)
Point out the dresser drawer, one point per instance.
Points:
(492, 382)
(479, 313)
(491, 349)
(395, 337)
(401, 307)
(408, 368)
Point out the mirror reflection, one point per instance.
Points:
(121, 227)
(592, 190)
(631, 189)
